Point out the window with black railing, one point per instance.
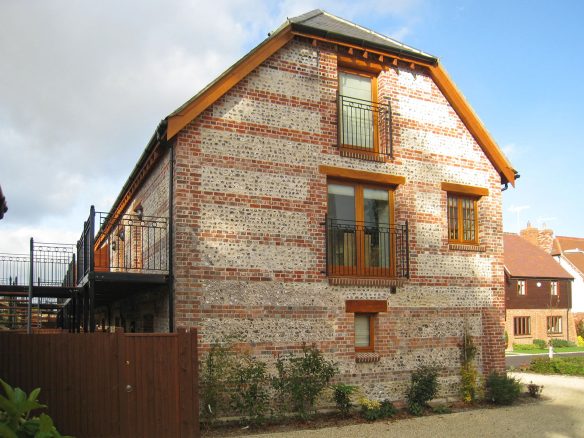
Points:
(366, 249)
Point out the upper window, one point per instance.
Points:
(462, 219)
(553, 287)
(520, 287)
(359, 234)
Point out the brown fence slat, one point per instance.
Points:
(83, 380)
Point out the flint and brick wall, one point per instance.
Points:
(249, 208)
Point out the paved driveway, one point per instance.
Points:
(559, 415)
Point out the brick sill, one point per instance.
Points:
(366, 357)
(464, 247)
(361, 281)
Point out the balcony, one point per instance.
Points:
(364, 129)
(360, 250)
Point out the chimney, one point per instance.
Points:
(543, 238)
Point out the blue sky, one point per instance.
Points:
(85, 83)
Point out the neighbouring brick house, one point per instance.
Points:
(569, 253)
(331, 187)
(538, 294)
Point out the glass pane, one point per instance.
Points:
(452, 218)
(468, 217)
(356, 111)
(362, 335)
(376, 226)
(341, 212)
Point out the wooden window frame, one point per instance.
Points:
(521, 287)
(460, 218)
(554, 288)
(374, 100)
(361, 270)
(521, 322)
(550, 327)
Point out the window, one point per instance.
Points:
(554, 288)
(364, 332)
(462, 219)
(522, 326)
(359, 235)
(554, 324)
(520, 287)
(357, 91)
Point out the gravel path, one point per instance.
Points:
(560, 414)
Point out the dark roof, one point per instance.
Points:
(321, 23)
(525, 260)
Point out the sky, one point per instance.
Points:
(83, 85)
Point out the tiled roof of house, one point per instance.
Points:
(525, 260)
(572, 248)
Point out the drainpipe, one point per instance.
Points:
(171, 239)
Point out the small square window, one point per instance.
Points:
(520, 287)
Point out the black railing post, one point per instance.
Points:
(91, 238)
(389, 128)
(407, 251)
(30, 285)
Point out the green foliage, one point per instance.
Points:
(580, 329)
(540, 343)
(502, 389)
(342, 395)
(525, 347)
(573, 366)
(441, 409)
(301, 379)
(373, 410)
(249, 395)
(423, 388)
(15, 415)
(559, 343)
(215, 373)
(580, 340)
(468, 372)
(506, 340)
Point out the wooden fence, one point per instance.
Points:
(109, 385)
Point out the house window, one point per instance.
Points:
(520, 287)
(522, 326)
(359, 240)
(462, 219)
(554, 325)
(357, 125)
(554, 288)
(364, 332)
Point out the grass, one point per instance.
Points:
(571, 366)
(542, 351)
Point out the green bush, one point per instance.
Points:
(502, 389)
(250, 397)
(580, 341)
(573, 366)
(302, 379)
(387, 409)
(559, 343)
(342, 395)
(215, 374)
(15, 419)
(580, 328)
(525, 347)
(423, 388)
(540, 343)
(373, 410)
(468, 372)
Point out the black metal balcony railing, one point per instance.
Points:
(363, 250)
(125, 243)
(364, 126)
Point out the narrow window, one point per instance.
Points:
(364, 332)
(462, 219)
(522, 326)
(520, 287)
(357, 117)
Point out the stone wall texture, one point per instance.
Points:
(249, 242)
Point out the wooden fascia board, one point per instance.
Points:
(473, 123)
(361, 175)
(464, 189)
(227, 82)
(365, 306)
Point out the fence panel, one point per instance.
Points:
(109, 385)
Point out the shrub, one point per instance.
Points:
(502, 389)
(506, 340)
(540, 343)
(525, 347)
(342, 395)
(423, 388)
(441, 409)
(250, 397)
(580, 328)
(301, 379)
(373, 410)
(558, 343)
(468, 371)
(215, 373)
(580, 341)
(573, 366)
(15, 410)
